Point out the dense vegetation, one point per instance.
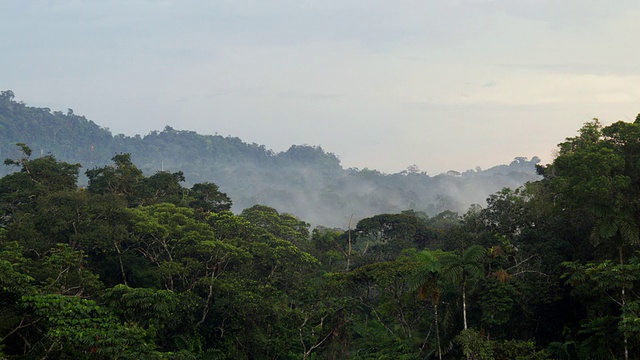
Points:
(136, 266)
(250, 173)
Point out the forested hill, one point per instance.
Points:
(304, 180)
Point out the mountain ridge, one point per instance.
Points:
(304, 180)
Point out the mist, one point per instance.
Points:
(306, 181)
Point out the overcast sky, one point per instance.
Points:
(382, 84)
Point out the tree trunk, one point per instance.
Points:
(124, 276)
(464, 306)
(464, 310)
(350, 246)
(624, 311)
(435, 308)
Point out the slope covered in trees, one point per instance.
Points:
(137, 266)
(252, 174)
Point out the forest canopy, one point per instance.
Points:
(139, 266)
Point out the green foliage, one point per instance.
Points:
(425, 280)
(161, 187)
(143, 306)
(62, 271)
(13, 277)
(207, 198)
(383, 237)
(459, 269)
(597, 171)
(75, 328)
(34, 179)
(284, 226)
(475, 346)
(606, 286)
(331, 247)
(121, 179)
(497, 303)
(139, 266)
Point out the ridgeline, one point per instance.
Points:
(306, 181)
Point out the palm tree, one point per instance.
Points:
(426, 283)
(450, 267)
(459, 269)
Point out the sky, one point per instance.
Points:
(445, 85)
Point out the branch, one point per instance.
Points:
(530, 271)
(20, 326)
(378, 317)
(304, 346)
(521, 262)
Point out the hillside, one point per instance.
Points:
(306, 181)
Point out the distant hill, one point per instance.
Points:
(305, 180)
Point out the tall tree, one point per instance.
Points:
(207, 198)
(598, 173)
(122, 178)
(461, 269)
(34, 179)
(426, 281)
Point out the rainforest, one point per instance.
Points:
(109, 261)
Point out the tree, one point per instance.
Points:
(73, 327)
(15, 282)
(7, 95)
(122, 178)
(35, 178)
(382, 309)
(386, 235)
(426, 280)
(460, 269)
(208, 198)
(167, 236)
(283, 226)
(598, 173)
(598, 285)
(333, 247)
(161, 187)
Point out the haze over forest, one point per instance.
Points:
(305, 180)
